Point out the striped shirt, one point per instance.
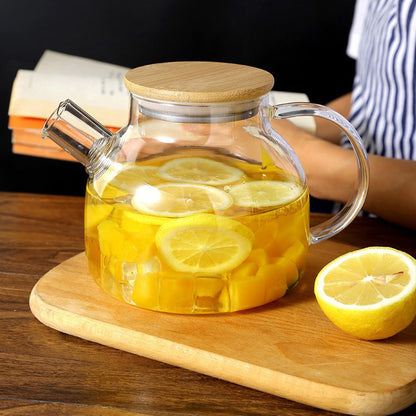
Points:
(383, 42)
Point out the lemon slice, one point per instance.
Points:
(199, 170)
(179, 199)
(122, 179)
(369, 293)
(263, 194)
(129, 177)
(130, 220)
(204, 243)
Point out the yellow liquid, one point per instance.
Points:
(125, 261)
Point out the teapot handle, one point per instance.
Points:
(345, 216)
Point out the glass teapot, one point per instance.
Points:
(198, 205)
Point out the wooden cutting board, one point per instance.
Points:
(288, 348)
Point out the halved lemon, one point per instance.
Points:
(179, 199)
(263, 194)
(369, 293)
(204, 243)
(199, 170)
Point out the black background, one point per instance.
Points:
(302, 43)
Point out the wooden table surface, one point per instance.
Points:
(45, 372)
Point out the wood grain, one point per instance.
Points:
(31, 408)
(47, 372)
(199, 82)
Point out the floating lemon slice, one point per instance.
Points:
(133, 174)
(204, 243)
(122, 179)
(132, 220)
(369, 293)
(199, 170)
(263, 194)
(179, 199)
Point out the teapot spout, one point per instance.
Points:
(79, 134)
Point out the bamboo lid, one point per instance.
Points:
(198, 82)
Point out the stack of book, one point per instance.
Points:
(95, 86)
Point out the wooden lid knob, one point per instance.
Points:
(199, 82)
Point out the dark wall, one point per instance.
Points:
(301, 42)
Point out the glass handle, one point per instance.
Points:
(345, 216)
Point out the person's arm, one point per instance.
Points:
(331, 173)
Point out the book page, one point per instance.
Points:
(96, 86)
(38, 95)
(52, 62)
